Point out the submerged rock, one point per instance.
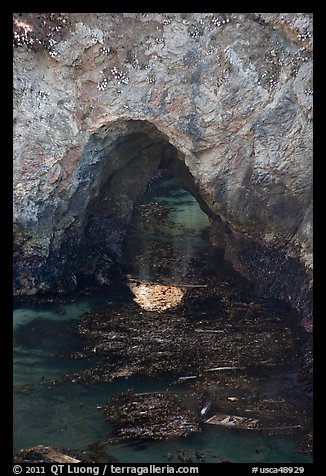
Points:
(42, 454)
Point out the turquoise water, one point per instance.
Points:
(51, 410)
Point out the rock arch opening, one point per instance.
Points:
(115, 168)
(74, 240)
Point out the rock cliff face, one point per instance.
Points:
(223, 99)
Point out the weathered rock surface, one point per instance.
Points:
(225, 100)
(42, 454)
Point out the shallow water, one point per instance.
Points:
(51, 410)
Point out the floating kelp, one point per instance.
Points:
(151, 416)
(306, 445)
(185, 340)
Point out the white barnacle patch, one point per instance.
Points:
(194, 33)
(42, 94)
(24, 38)
(102, 85)
(211, 51)
(167, 21)
(95, 38)
(52, 42)
(120, 76)
(304, 36)
(216, 21)
(105, 50)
